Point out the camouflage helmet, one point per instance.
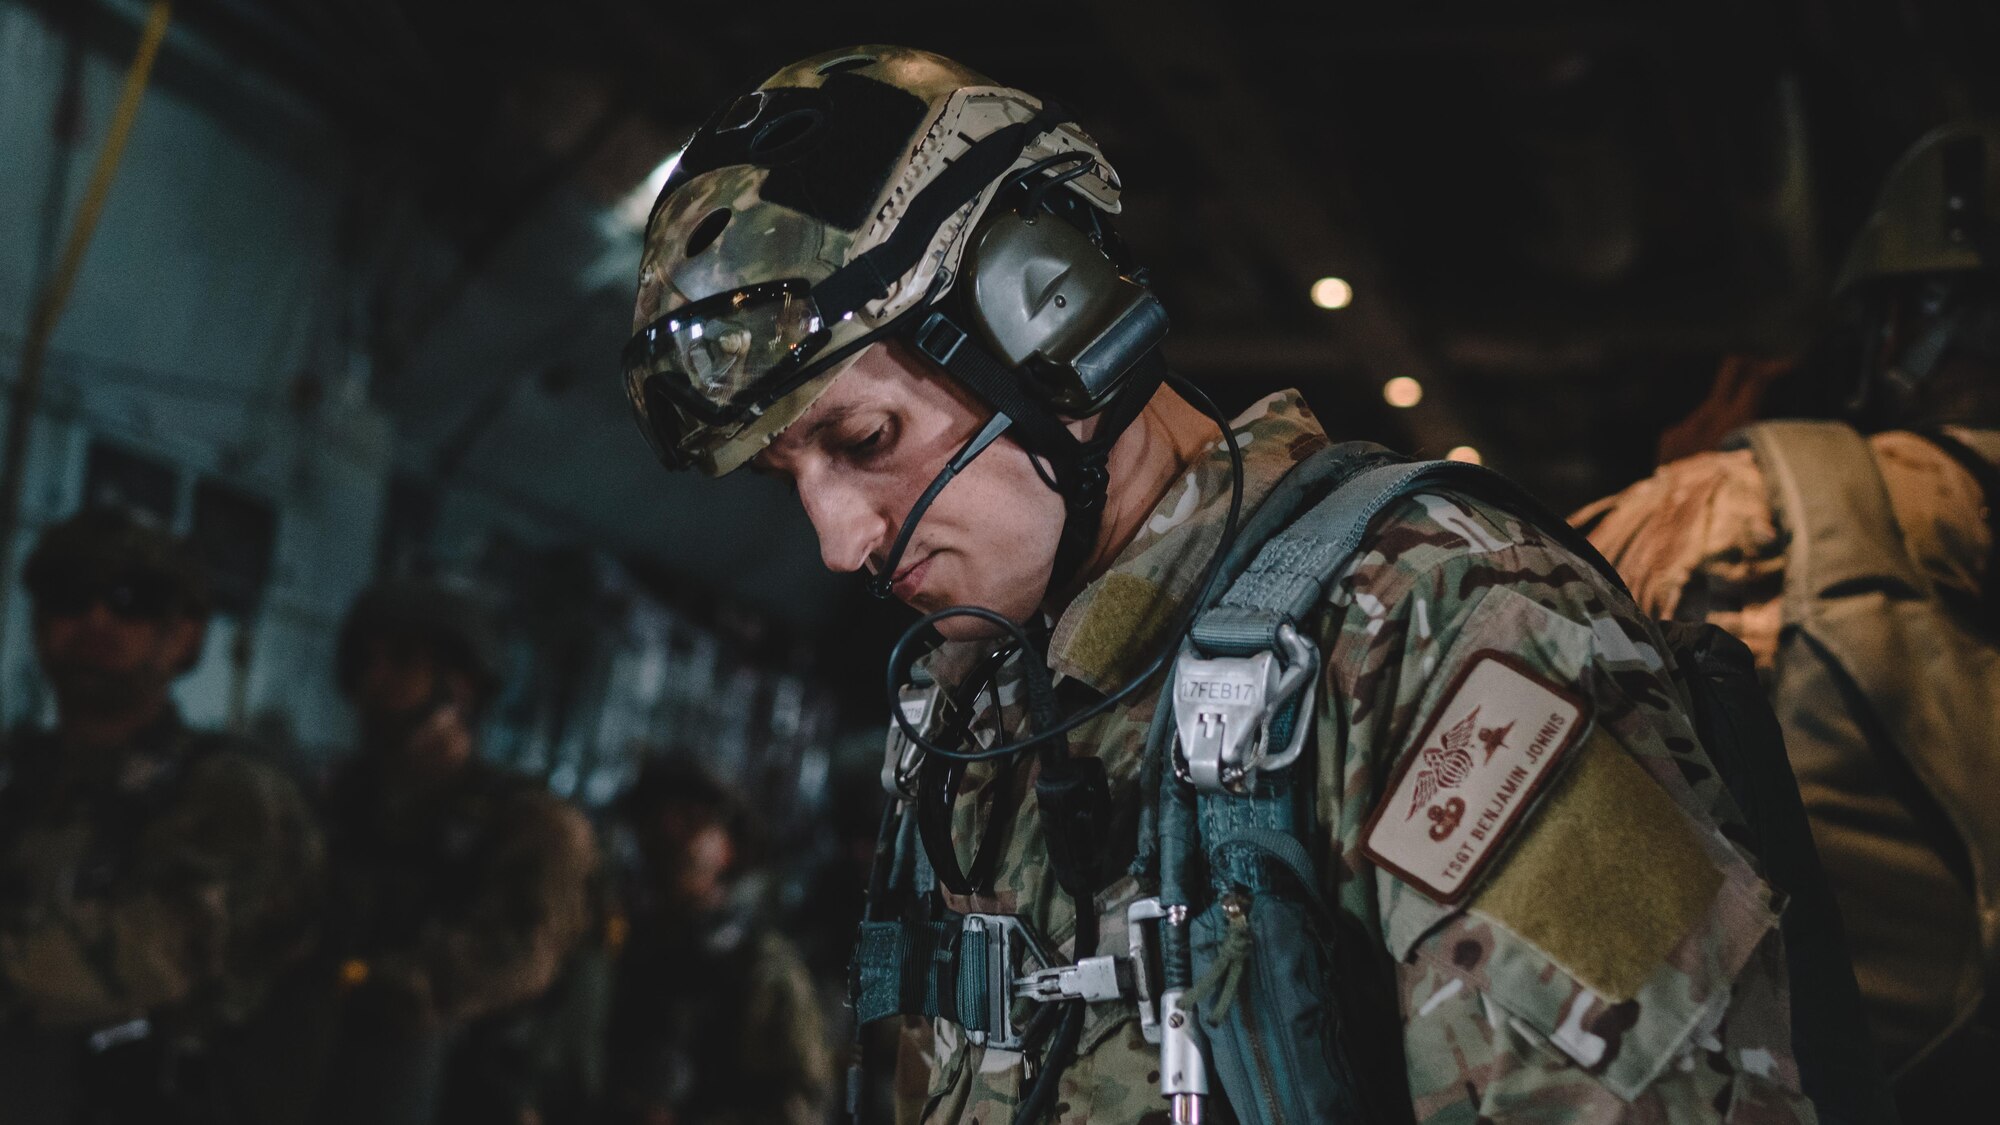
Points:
(448, 619)
(811, 217)
(1938, 212)
(100, 545)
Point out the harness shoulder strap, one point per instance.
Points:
(1844, 533)
(1293, 571)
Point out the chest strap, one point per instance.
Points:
(970, 969)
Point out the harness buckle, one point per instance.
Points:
(1007, 941)
(1223, 708)
(925, 706)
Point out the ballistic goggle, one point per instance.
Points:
(719, 361)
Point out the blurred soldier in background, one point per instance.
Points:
(461, 891)
(154, 879)
(717, 1021)
(1862, 573)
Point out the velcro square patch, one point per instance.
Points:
(1489, 747)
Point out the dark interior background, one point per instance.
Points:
(1558, 216)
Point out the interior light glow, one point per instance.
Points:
(1332, 293)
(1466, 454)
(1402, 392)
(637, 206)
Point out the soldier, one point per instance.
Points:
(893, 284)
(1861, 573)
(461, 891)
(716, 1021)
(155, 880)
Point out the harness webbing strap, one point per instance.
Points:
(1295, 568)
(1844, 534)
(1291, 574)
(911, 968)
(1337, 1060)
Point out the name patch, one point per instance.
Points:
(1489, 747)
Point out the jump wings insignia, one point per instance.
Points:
(1446, 765)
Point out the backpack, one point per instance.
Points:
(1890, 698)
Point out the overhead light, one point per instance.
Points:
(1466, 454)
(1402, 392)
(637, 206)
(1332, 293)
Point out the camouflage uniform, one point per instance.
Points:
(1618, 961)
(452, 906)
(721, 1027)
(149, 898)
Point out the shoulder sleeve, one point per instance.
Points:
(788, 1067)
(528, 908)
(220, 898)
(1520, 807)
(1696, 541)
(1940, 508)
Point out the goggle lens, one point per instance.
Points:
(717, 361)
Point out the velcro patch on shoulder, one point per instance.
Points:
(1488, 749)
(1609, 879)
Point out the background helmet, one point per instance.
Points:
(1938, 212)
(799, 226)
(449, 621)
(1921, 283)
(100, 547)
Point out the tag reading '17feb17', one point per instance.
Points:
(1489, 747)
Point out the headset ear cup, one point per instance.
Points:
(1042, 296)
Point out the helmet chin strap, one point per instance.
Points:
(884, 580)
(1080, 467)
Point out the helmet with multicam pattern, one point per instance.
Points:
(814, 215)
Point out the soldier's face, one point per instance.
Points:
(104, 662)
(864, 453)
(398, 683)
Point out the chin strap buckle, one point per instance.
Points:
(1224, 710)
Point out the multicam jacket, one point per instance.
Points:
(171, 880)
(470, 895)
(717, 1027)
(1615, 958)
